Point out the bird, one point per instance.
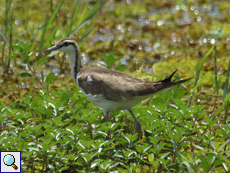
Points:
(110, 89)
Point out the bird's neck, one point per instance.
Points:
(75, 63)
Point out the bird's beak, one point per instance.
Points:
(51, 49)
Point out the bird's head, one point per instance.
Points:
(66, 45)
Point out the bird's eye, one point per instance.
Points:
(66, 44)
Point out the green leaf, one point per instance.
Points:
(49, 78)
(158, 101)
(205, 166)
(150, 157)
(12, 56)
(109, 59)
(168, 96)
(210, 159)
(120, 67)
(83, 99)
(218, 162)
(41, 61)
(163, 156)
(188, 167)
(198, 147)
(24, 75)
(27, 48)
(139, 148)
(17, 47)
(179, 93)
(147, 148)
(118, 58)
(227, 142)
(25, 57)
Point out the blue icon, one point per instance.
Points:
(9, 160)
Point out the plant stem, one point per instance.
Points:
(34, 73)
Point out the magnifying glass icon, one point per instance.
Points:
(9, 160)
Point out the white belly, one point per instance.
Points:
(108, 105)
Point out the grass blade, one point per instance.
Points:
(3, 4)
(215, 72)
(92, 13)
(226, 82)
(226, 86)
(200, 81)
(201, 64)
(54, 14)
(50, 37)
(47, 25)
(41, 61)
(95, 9)
(226, 112)
(86, 33)
(78, 27)
(225, 102)
(73, 17)
(4, 37)
(80, 20)
(198, 72)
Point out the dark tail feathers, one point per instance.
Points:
(169, 79)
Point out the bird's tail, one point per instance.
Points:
(168, 80)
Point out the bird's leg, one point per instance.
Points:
(138, 124)
(106, 113)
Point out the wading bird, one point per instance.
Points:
(110, 89)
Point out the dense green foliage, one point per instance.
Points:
(59, 130)
(44, 115)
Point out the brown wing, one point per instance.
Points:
(114, 85)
